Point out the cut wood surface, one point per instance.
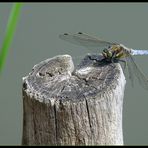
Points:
(63, 105)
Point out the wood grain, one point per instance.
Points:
(63, 105)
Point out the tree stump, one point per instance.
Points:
(67, 106)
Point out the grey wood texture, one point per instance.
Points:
(63, 105)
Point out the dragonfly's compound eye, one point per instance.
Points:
(105, 50)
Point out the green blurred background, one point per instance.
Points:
(36, 39)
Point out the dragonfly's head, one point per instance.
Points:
(107, 53)
(105, 50)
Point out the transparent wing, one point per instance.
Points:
(131, 72)
(135, 71)
(85, 40)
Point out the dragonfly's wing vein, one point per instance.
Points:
(131, 72)
(85, 40)
(134, 70)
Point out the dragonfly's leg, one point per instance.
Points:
(113, 58)
(125, 64)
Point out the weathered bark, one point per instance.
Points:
(63, 106)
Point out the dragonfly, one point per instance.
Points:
(112, 52)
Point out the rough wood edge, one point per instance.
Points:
(100, 113)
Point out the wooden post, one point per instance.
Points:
(67, 106)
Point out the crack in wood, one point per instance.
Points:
(55, 118)
(79, 99)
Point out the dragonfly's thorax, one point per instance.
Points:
(116, 52)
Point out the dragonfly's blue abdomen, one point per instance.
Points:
(139, 52)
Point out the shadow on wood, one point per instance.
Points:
(67, 106)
